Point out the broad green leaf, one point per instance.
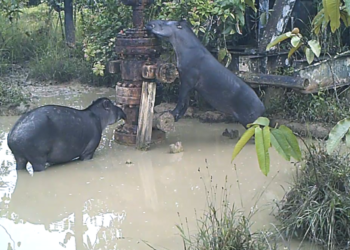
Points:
(292, 141)
(221, 54)
(251, 4)
(317, 21)
(263, 18)
(293, 49)
(295, 41)
(279, 39)
(347, 139)
(347, 6)
(315, 47)
(262, 152)
(309, 55)
(279, 142)
(332, 13)
(336, 134)
(267, 138)
(243, 141)
(325, 10)
(263, 121)
(345, 17)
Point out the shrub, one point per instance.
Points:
(321, 107)
(318, 205)
(61, 64)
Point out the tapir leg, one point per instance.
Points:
(21, 163)
(38, 164)
(90, 149)
(182, 102)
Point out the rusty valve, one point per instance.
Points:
(149, 71)
(164, 72)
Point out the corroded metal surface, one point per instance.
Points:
(137, 54)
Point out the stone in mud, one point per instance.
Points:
(230, 133)
(176, 148)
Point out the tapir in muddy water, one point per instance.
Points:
(54, 134)
(199, 70)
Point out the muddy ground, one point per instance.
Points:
(37, 89)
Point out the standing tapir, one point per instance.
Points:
(57, 134)
(199, 70)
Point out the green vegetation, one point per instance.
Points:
(328, 20)
(281, 138)
(325, 107)
(35, 40)
(223, 226)
(11, 95)
(317, 206)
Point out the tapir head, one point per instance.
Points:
(105, 109)
(165, 29)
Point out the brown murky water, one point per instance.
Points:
(105, 202)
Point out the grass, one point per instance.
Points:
(11, 96)
(223, 226)
(317, 207)
(323, 107)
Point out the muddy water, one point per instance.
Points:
(106, 202)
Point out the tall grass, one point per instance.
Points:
(317, 207)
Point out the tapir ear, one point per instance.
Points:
(106, 104)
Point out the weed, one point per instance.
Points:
(321, 107)
(223, 226)
(317, 207)
(59, 64)
(11, 95)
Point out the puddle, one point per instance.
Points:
(104, 202)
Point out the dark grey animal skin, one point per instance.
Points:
(199, 70)
(57, 134)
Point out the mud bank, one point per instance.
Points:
(37, 90)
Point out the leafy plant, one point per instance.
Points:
(332, 12)
(101, 24)
(337, 133)
(317, 206)
(281, 138)
(214, 22)
(311, 48)
(330, 15)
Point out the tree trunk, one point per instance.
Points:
(69, 23)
